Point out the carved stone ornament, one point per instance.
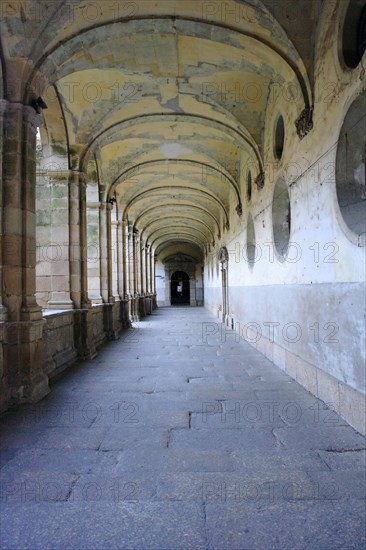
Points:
(259, 180)
(223, 255)
(305, 122)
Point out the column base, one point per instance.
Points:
(84, 334)
(112, 323)
(23, 350)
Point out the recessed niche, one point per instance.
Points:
(251, 251)
(350, 167)
(354, 33)
(249, 186)
(281, 217)
(279, 138)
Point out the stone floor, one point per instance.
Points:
(176, 439)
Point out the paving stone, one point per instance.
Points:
(323, 437)
(346, 460)
(172, 460)
(125, 488)
(124, 437)
(235, 414)
(71, 438)
(274, 460)
(99, 525)
(6, 455)
(340, 484)
(34, 487)
(226, 440)
(305, 525)
(60, 460)
(251, 486)
(13, 437)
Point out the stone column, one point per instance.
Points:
(154, 272)
(124, 267)
(3, 311)
(112, 255)
(4, 382)
(151, 270)
(138, 272)
(131, 271)
(119, 258)
(78, 241)
(147, 266)
(93, 249)
(192, 290)
(114, 259)
(125, 252)
(143, 266)
(23, 345)
(130, 260)
(57, 250)
(83, 327)
(104, 253)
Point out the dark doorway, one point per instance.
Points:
(179, 286)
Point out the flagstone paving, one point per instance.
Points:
(179, 436)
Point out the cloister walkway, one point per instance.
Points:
(180, 436)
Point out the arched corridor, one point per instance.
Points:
(181, 435)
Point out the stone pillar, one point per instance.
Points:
(135, 306)
(154, 272)
(192, 290)
(3, 311)
(125, 252)
(130, 261)
(104, 253)
(138, 272)
(131, 271)
(123, 261)
(59, 245)
(143, 267)
(78, 241)
(83, 327)
(147, 266)
(23, 345)
(151, 270)
(120, 261)
(93, 248)
(115, 254)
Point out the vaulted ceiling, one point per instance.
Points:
(167, 99)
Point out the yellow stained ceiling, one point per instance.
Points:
(164, 95)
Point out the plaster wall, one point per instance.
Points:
(316, 289)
